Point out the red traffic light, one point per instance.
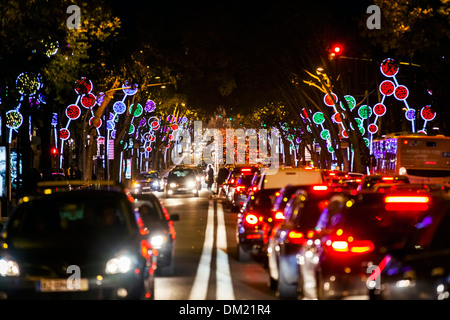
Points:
(336, 50)
(54, 152)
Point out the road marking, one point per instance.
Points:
(200, 287)
(224, 287)
(224, 284)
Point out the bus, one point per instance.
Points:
(423, 159)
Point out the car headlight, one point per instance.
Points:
(172, 185)
(9, 268)
(191, 184)
(120, 264)
(157, 241)
(155, 183)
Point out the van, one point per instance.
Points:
(292, 176)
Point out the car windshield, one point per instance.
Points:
(181, 174)
(150, 175)
(149, 210)
(72, 214)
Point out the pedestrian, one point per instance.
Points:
(210, 176)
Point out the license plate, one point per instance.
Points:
(62, 285)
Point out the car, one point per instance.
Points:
(147, 182)
(234, 173)
(161, 230)
(254, 224)
(76, 244)
(181, 180)
(370, 180)
(303, 207)
(421, 269)
(352, 235)
(237, 194)
(292, 176)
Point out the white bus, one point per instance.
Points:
(423, 159)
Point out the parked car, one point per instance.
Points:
(181, 180)
(161, 230)
(300, 216)
(421, 269)
(353, 234)
(87, 236)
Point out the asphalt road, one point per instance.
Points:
(205, 255)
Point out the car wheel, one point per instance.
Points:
(285, 290)
(243, 255)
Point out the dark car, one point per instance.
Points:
(420, 270)
(238, 193)
(75, 244)
(353, 234)
(371, 180)
(161, 230)
(301, 213)
(254, 224)
(147, 181)
(181, 181)
(233, 176)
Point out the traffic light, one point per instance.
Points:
(335, 51)
(54, 152)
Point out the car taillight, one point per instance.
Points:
(279, 215)
(296, 237)
(387, 178)
(240, 188)
(252, 219)
(349, 245)
(407, 203)
(320, 188)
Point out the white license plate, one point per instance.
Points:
(61, 285)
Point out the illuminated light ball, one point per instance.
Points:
(328, 100)
(372, 128)
(337, 117)
(131, 130)
(42, 98)
(131, 89)
(14, 119)
(389, 67)
(379, 109)
(100, 98)
(73, 112)
(401, 92)
(410, 114)
(171, 137)
(325, 134)
(308, 128)
(422, 131)
(344, 134)
(110, 125)
(98, 123)
(358, 121)
(64, 134)
(330, 148)
(83, 86)
(136, 111)
(184, 120)
(88, 100)
(175, 127)
(150, 106)
(113, 134)
(119, 107)
(298, 140)
(151, 138)
(155, 125)
(387, 87)
(365, 111)
(366, 141)
(427, 114)
(28, 84)
(148, 149)
(362, 130)
(351, 102)
(318, 118)
(50, 47)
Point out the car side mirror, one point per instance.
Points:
(175, 217)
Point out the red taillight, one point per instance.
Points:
(406, 203)
(387, 178)
(320, 188)
(295, 237)
(355, 246)
(279, 215)
(255, 188)
(251, 219)
(145, 249)
(246, 170)
(240, 188)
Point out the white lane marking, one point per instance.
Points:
(224, 287)
(200, 286)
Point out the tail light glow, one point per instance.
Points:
(279, 215)
(320, 188)
(296, 237)
(406, 203)
(251, 219)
